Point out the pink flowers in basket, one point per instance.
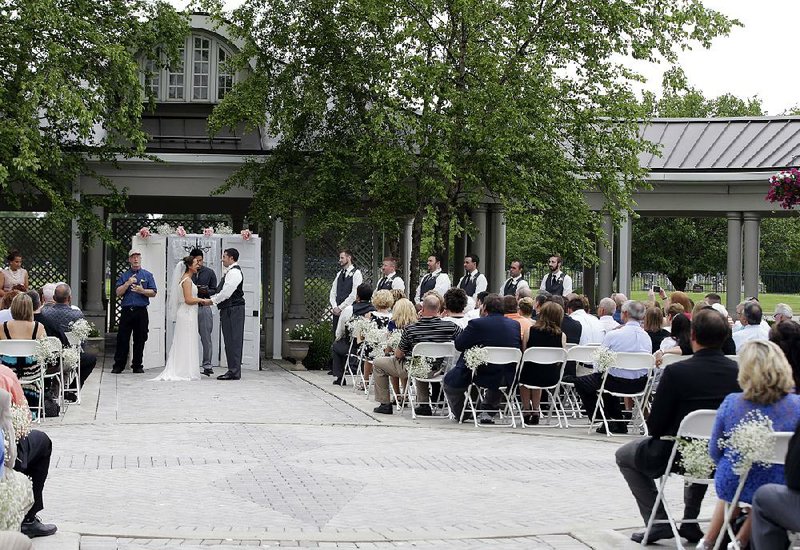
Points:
(246, 234)
(144, 232)
(784, 188)
(180, 231)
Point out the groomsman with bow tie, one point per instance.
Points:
(343, 289)
(515, 282)
(435, 279)
(390, 280)
(557, 282)
(473, 280)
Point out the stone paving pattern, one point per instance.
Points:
(283, 459)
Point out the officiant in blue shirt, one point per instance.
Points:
(135, 286)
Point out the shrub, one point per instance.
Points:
(320, 350)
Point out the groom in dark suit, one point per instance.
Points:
(230, 301)
(700, 382)
(492, 329)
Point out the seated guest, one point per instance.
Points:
(591, 328)
(738, 325)
(569, 326)
(683, 299)
(541, 297)
(57, 320)
(404, 313)
(47, 294)
(700, 382)
(33, 455)
(475, 312)
(439, 297)
(455, 301)
(397, 294)
(750, 318)
(5, 305)
(341, 346)
(524, 292)
(630, 338)
(511, 309)
(619, 299)
(782, 313)
(492, 329)
(713, 298)
(21, 327)
(525, 308)
(776, 507)
(653, 319)
(787, 335)
(546, 333)
(605, 311)
(766, 381)
(429, 328)
(679, 340)
(383, 302)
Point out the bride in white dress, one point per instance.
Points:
(183, 359)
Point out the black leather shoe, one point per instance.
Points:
(35, 528)
(423, 410)
(691, 532)
(340, 381)
(116, 371)
(208, 372)
(657, 533)
(228, 376)
(138, 370)
(384, 408)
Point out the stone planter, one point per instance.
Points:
(95, 345)
(297, 350)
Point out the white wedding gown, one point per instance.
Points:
(183, 360)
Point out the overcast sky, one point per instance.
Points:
(754, 60)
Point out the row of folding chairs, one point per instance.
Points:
(35, 378)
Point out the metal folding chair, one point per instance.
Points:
(75, 374)
(633, 362)
(581, 355)
(33, 376)
(57, 360)
(778, 457)
(695, 425)
(446, 351)
(498, 358)
(554, 359)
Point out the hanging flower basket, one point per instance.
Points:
(784, 188)
(246, 235)
(180, 231)
(144, 232)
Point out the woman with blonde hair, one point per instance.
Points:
(766, 381)
(383, 302)
(403, 314)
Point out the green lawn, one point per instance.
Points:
(768, 301)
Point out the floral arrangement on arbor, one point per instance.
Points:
(246, 234)
(604, 359)
(180, 231)
(300, 332)
(164, 229)
(476, 356)
(144, 232)
(784, 188)
(224, 229)
(750, 442)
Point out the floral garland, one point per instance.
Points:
(750, 442)
(784, 188)
(604, 359)
(420, 367)
(476, 356)
(81, 329)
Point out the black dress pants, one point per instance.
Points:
(133, 321)
(33, 460)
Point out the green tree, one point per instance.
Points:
(70, 95)
(427, 107)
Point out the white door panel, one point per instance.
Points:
(153, 251)
(250, 264)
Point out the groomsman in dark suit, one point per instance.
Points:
(557, 282)
(493, 329)
(473, 280)
(515, 282)
(390, 280)
(343, 289)
(436, 280)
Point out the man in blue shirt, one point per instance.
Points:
(135, 286)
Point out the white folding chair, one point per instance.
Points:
(630, 362)
(446, 351)
(733, 357)
(695, 425)
(554, 360)
(32, 376)
(356, 352)
(666, 360)
(581, 355)
(74, 374)
(57, 361)
(778, 457)
(498, 358)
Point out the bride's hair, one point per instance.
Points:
(188, 261)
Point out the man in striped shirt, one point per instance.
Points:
(429, 328)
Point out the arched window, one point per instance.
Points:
(199, 75)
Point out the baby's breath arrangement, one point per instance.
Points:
(16, 498)
(750, 442)
(21, 420)
(376, 338)
(604, 359)
(44, 355)
(223, 229)
(81, 329)
(393, 340)
(420, 367)
(164, 229)
(695, 458)
(71, 357)
(476, 356)
(359, 326)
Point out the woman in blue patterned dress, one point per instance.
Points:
(766, 381)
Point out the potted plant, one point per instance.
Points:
(95, 343)
(298, 341)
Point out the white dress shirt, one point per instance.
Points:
(344, 317)
(357, 280)
(460, 321)
(749, 332)
(609, 323)
(442, 285)
(521, 283)
(233, 277)
(630, 338)
(397, 282)
(474, 313)
(567, 282)
(592, 332)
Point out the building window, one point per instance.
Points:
(199, 75)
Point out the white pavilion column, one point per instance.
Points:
(734, 270)
(297, 300)
(752, 244)
(405, 251)
(605, 282)
(625, 242)
(277, 289)
(497, 261)
(75, 258)
(95, 274)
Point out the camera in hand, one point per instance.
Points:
(656, 288)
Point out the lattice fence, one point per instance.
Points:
(124, 227)
(44, 248)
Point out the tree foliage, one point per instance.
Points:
(396, 109)
(70, 93)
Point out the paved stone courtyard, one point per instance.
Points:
(286, 459)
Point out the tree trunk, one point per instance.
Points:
(442, 235)
(416, 242)
(678, 280)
